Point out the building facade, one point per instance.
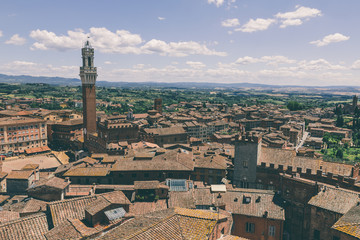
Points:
(20, 133)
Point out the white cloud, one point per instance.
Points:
(16, 40)
(218, 3)
(37, 69)
(120, 41)
(230, 22)
(178, 49)
(298, 16)
(107, 62)
(269, 60)
(356, 65)
(291, 22)
(161, 18)
(332, 38)
(258, 24)
(319, 64)
(195, 64)
(247, 60)
(1, 33)
(306, 72)
(300, 12)
(139, 66)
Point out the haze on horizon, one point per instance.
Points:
(309, 43)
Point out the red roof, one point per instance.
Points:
(37, 150)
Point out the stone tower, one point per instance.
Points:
(247, 153)
(158, 105)
(88, 76)
(355, 102)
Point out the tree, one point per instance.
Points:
(294, 106)
(339, 153)
(340, 121)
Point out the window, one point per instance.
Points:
(245, 164)
(316, 234)
(133, 175)
(146, 175)
(250, 227)
(272, 231)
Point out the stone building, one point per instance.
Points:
(247, 153)
(20, 133)
(161, 136)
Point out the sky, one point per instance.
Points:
(282, 42)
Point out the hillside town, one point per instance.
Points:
(191, 170)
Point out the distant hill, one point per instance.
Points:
(203, 85)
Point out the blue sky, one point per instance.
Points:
(257, 41)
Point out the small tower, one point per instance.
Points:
(158, 105)
(247, 153)
(88, 75)
(355, 102)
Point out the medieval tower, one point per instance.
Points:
(247, 154)
(88, 75)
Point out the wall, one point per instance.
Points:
(248, 152)
(261, 227)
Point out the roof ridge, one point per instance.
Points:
(68, 219)
(177, 160)
(37, 215)
(346, 224)
(71, 200)
(151, 226)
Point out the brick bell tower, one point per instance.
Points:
(88, 75)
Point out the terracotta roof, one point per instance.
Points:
(20, 174)
(141, 208)
(349, 223)
(211, 162)
(169, 161)
(37, 149)
(30, 166)
(116, 197)
(167, 224)
(289, 158)
(260, 204)
(34, 206)
(28, 228)
(165, 131)
(146, 184)
(6, 216)
(75, 208)
(9, 121)
(87, 171)
(70, 229)
(3, 198)
(260, 201)
(69, 209)
(181, 199)
(335, 199)
(97, 205)
(231, 237)
(143, 144)
(53, 182)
